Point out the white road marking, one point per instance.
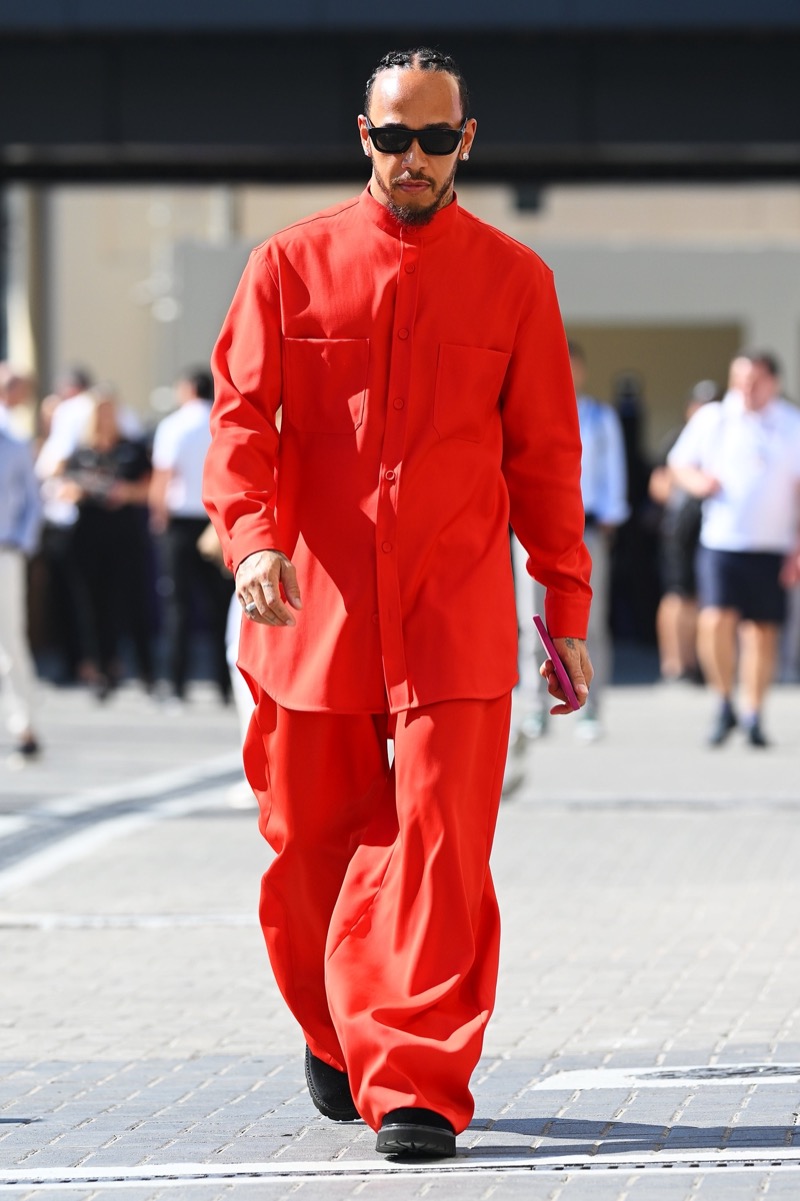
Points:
(469, 1164)
(78, 846)
(12, 823)
(670, 1077)
(123, 921)
(200, 774)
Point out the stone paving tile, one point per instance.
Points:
(645, 1187)
(90, 745)
(635, 934)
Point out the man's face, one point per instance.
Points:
(759, 387)
(414, 185)
(18, 391)
(738, 373)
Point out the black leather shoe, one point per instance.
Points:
(330, 1090)
(726, 721)
(418, 1132)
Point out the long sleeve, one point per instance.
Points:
(541, 462)
(239, 478)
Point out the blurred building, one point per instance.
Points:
(650, 153)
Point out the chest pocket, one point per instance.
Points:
(468, 383)
(325, 383)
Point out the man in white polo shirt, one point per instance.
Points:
(179, 451)
(743, 458)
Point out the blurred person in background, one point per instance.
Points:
(68, 418)
(107, 478)
(179, 517)
(679, 534)
(20, 517)
(62, 594)
(64, 598)
(69, 408)
(17, 401)
(635, 588)
(742, 457)
(43, 623)
(604, 484)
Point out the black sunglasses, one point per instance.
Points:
(396, 139)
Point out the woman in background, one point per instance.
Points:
(108, 477)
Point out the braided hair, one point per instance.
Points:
(423, 58)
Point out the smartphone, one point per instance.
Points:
(561, 671)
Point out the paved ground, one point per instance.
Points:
(646, 1043)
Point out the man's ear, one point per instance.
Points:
(365, 142)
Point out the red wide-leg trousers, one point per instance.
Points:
(378, 910)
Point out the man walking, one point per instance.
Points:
(743, 458)
(420, 364)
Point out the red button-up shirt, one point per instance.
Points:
(426, 400)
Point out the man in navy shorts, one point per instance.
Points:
(742, 457)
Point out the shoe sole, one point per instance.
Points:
(422, 1141)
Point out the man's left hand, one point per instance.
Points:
(575, 657)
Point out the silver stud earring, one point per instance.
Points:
(465, 156)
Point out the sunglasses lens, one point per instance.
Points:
(391, 141)
(439, 141)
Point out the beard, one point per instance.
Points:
(408, 214)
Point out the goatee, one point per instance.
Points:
(407, 214)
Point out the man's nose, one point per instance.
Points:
(414, 153)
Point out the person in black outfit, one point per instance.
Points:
(108, 477)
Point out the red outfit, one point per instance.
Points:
(426, 398)
(426, 391)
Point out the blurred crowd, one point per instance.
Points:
(111, 570)
(695, 550)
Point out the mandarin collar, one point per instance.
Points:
(443, 221)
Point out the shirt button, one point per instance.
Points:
(386, 547)
(410, 268)
(398, 402)
(374, 619)
(402, 334)
(390, 475)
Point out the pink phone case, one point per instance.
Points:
(561, 671)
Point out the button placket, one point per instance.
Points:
(390, 620)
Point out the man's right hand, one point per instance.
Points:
(260, 579)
